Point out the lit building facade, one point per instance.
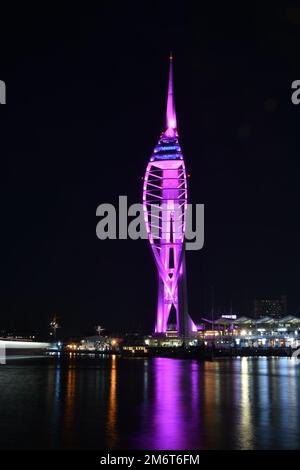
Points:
(249, 332)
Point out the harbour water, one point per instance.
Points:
(149, 403)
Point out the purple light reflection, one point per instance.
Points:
(171, 416)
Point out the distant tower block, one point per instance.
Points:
(165, 186)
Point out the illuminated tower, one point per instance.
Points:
(165, 204)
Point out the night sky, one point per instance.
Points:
(86, 98)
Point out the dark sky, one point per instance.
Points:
(86, 96)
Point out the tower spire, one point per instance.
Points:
(171, 123)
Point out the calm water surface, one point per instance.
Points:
(158, 403)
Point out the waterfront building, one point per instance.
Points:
(98, 344)
(250, 332)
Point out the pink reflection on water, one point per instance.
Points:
(171, 420)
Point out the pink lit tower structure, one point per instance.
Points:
(165, 185)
